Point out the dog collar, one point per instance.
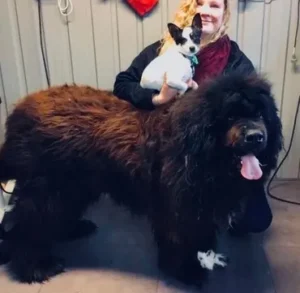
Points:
(194, 61)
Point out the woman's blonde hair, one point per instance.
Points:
(184, 16)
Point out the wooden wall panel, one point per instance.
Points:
(127, 34)
(12, 65)
(27, 13)
(172, 6)
(291, 92)
(153, 26)
(233, 22)
(3, 109)
(250, 30)
(57, 43)
(82, 45)
(273, 57)
(105, 24)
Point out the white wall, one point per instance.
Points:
(100, 38)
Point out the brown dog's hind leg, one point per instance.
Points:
(38, 215)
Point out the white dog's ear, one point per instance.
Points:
(197, 22)
(175, 31)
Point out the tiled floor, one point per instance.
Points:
(121, 257)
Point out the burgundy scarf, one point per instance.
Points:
(213, 59)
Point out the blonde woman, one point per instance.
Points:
(218, 55)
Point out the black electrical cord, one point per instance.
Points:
(297, 27)
(41, 42)
(282, 161)
(294, 126)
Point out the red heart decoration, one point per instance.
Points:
(142, 6)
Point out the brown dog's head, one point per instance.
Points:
(246, 134)
(246, 122)
(233, 124)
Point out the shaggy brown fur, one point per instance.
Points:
(65, 145)
(85, 121)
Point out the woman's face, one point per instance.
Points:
(212, 13)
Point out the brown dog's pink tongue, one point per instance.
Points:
(250, 167)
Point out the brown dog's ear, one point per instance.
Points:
(197, 21)
(175, 31)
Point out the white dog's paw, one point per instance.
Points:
(181, 93)
(194, 85)
(210, 259)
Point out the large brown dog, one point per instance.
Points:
(184, 165)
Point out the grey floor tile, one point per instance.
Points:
(122, 243)
(99, 281)
(285, 229)
(285, 267)
(10, 286)
(282, 240)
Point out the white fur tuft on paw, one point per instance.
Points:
(210, 259)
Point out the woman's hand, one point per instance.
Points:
(167, 93)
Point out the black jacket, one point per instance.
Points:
(127, 83)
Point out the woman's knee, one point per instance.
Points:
(259, 215)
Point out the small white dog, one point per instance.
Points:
(177, 65)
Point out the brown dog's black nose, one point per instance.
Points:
(254, 137)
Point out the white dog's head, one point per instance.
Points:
(187, 39)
